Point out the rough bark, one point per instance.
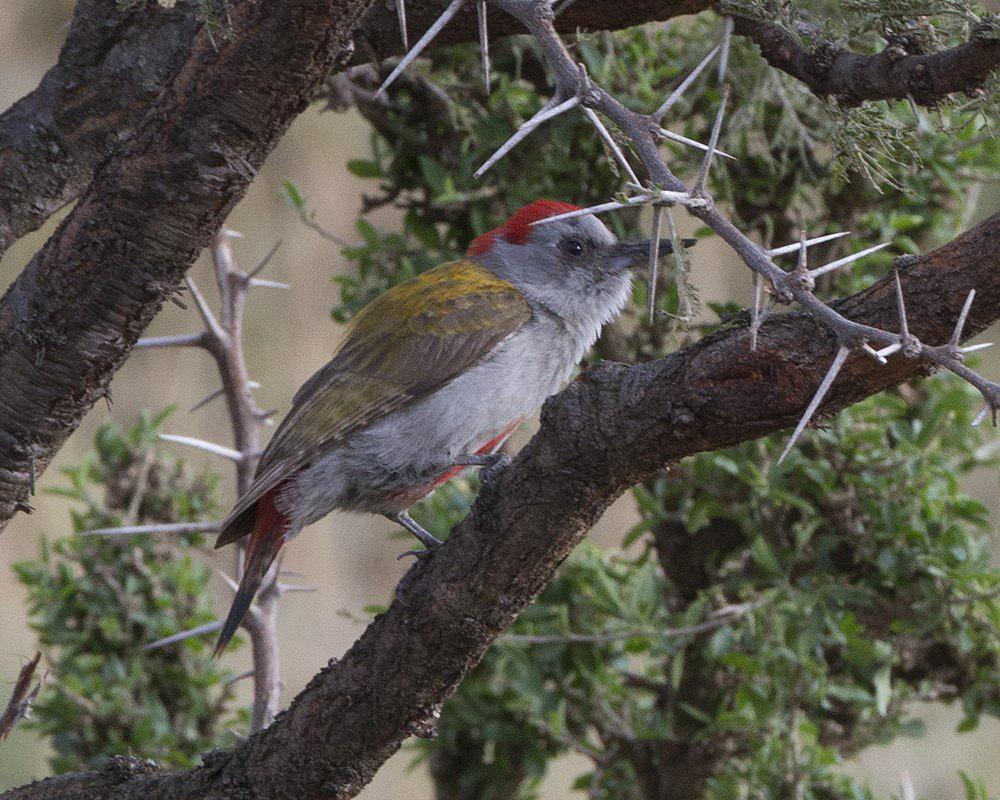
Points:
(114, 63)
(70, 318)
(602, 434)
(117, 58)
(894, 73)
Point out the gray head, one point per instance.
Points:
(574, 267)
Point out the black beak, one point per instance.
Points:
(628, 254)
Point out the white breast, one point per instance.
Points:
(413, 445)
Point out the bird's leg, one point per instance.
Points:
(427, 539)
(492, 463)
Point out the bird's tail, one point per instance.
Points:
(266, 539)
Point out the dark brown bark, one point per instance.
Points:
(70, 318)
(894, 73)
(117, 58)
(114, 63)
(605, 432)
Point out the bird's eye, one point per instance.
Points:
(571, 247)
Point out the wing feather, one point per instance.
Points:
(402, 346)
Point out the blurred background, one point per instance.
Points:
(350, 560)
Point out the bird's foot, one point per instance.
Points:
(430, 542)
(492, 464)
(490, 474)
(420, 555)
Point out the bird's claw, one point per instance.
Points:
(420, 555)
(490, 474)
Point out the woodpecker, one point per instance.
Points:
(431, 377)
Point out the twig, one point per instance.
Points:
(159, 527)
(22, 696)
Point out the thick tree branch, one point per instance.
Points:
(892, 74)
(117, 58)
(70, 319)
(115, 61)
(601, 435)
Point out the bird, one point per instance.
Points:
(431, 377)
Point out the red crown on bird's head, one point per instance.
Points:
(516, 229)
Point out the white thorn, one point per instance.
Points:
(233, 585)
(201, 444)
(180, 340)
(611, 143)
(676, 94)
(803, 260)
(727, 38)
(904, 330)
(840, 262)
(691, 142)
(210, 627)
(791, 248)
(956, 337)
(972, 348)
(613, 205)
(401, 16)
(824, 387)
(229, 233)
(706, 164)
(422, 43)
(263, 282)
(654, 260)
(981, 416)
(484, 42)
(546, 112)
(206, 313)
(160, 527)
(874, 353)
(758, 296)
(888, 350)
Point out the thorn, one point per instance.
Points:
(598, 209)
(684, 84)
(217, 393)
(691, 142)
(159, 527)
(266, 284)
(611, 143)
(201, 444)
(484, 42)
(760, 309)
(791, 248)
(981, 415)
(874, 353)
(546, 112)
(180, 340)
(727, 38)
(972, 348)
(889, 350)
(206, 313)
(401, 16)
(210, 627)
(956, 336)
(107, 397)
(824, 387)
(232, 584)
(840, 262)
(265, 260)
(422, 43)
(654, 260)
(294, 587)
(20, 505)
(706, 164)
(903, 328)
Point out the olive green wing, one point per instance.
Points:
(402, 346)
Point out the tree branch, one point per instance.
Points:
(604, 433)
(116, 59)
(892, 74)
(69, 320)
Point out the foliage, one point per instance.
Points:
(95, 601)
(824, 594)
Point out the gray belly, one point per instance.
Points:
(384, 466)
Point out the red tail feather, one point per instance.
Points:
(266, 539)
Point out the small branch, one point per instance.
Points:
(22, 696)
(190, 633)
(852, 78)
